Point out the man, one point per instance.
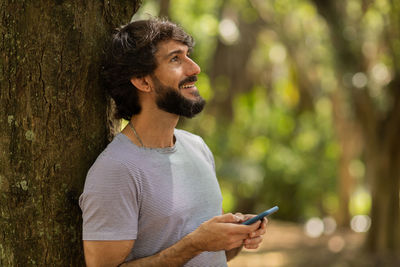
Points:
(152, 197)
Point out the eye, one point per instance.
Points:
(174, 59)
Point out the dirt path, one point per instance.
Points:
(286, 244)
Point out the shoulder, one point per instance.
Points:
(120, 149)
(186, 136)
(188, 139)
(106, 173)
(120, 152)
(196, 142)
(115, 165)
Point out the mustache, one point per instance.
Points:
(188, 80)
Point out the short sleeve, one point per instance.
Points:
(109, 202)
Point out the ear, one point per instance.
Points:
(141, 83)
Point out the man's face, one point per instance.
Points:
(174, 80)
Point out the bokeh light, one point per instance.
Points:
(360, 223)
(381, 74)
(228, 31)
(359, 80)
(329, 225)
(314, 227)
(277, 54)
(336, 244)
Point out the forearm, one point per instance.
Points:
(230, 254)
(176, 255)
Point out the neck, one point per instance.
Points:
(154, 127)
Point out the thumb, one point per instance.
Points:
(228, 218)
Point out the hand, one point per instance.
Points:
(222, 233)
(255, 238)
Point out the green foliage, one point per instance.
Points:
(270, 153)
(360, 202)
(276, 149)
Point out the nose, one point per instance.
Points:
(193, 68)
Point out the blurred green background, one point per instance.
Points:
(303, 106)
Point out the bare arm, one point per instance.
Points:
(219, 233)
(113, 253)
(106, 253)
(176, 255)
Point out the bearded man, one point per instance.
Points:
(152, 197)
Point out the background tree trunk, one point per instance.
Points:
(53, 123)
(380, 128)
(229, 75)
(350, 139)
(164, 9)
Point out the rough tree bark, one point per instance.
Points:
(380, 128)
(53, 122)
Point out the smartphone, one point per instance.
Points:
(261, 215)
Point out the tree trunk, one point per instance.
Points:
(164, 9)
(350, 139)
(228, 74)
(381, 129)
(53, 123)
(383, 164)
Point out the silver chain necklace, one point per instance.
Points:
(134, 131)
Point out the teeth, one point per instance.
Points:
(187, 86)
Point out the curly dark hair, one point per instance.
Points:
(131, 54)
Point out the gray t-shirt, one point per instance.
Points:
(153, 196)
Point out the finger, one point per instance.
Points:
(241, 237)
(251, 246)
(256, 225)
(227, 218)
(264, 222)
(244, 229)
(252, 227)
(241, 216)
(235, 244)
(253, 241)
(260, 231)
(249, 216)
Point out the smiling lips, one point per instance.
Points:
(186, 86)
(188, 82)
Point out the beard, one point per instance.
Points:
(171, 100)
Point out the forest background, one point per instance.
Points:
(303, 112)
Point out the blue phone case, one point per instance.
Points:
(261, 215)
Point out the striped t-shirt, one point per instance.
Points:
(152, 196)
